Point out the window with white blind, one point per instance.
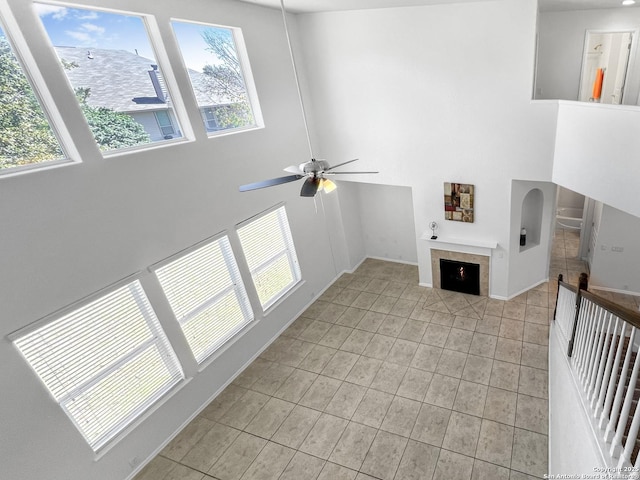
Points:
(207, 296)
(271, 255)
(104, 363)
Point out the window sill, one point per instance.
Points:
(145, 147)
(37, 167)
(232, 131)
(103, 450)
(283, 297)
(528, 246)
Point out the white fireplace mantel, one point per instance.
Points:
(463, 245)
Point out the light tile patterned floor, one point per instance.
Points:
(383, 379)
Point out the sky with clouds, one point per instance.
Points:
(76, 27)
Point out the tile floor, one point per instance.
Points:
(383, 379)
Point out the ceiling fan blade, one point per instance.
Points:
(310, 187)
(340, 164)
(269, 183)
(347, 173)
(294, 169)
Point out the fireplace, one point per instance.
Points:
(463, 277)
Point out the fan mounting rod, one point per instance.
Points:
(297, 79)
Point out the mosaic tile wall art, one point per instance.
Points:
(458, 202)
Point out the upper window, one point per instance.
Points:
(104, 363)
(217, 75)
(207, 296)
(271, 255)
(25, 135)
(111, 66)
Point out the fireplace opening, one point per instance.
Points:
(460, 277)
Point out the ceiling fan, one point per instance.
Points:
(314, 171)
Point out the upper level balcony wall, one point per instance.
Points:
(597, 152)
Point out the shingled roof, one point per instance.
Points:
(120, 80)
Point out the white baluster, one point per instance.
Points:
(625, 458)
(581, 334)
(608, 400)
(595, 343)
(616, 444)
(603, 358)
(603, 375)
(615, 410)
(590, 318)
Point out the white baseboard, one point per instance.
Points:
(514, 295)
(614, 290)
(349, 271)
(392, 260)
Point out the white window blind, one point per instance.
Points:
(271, 255)
(105, 363)
(208, 298)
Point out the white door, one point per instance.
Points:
(608, 51)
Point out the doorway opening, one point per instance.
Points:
(605, 63)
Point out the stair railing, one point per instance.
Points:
(602, 341)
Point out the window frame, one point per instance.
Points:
(288, 251)
(247, 76)
(237, 286)
(159, 339)
(25, 58)
(161, 59)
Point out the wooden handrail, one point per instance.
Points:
(632, 317)
(568, 286)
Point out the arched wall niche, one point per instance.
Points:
(531, 217)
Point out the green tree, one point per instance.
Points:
(225, 80)
(25, 135)
(114, 130)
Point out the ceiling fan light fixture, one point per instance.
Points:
(328, 186)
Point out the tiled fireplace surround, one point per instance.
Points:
(481, 260)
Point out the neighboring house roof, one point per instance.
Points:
(120, 80)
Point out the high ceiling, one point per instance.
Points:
(308, 6)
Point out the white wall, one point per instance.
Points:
(428, 95)
(573, 448)
(530, 265)
(561, 45)
(377, 222)
(387, 221)
(70, 231)
(612, 269)
(596, 153)
(351, 225)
